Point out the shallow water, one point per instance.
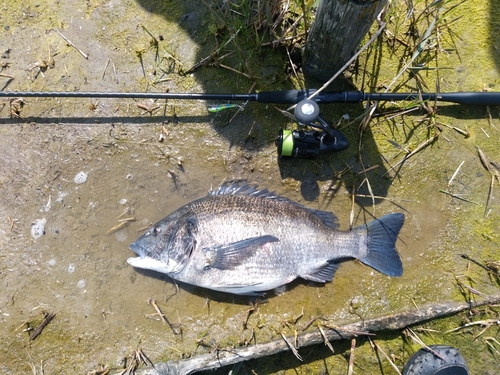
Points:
(78, 270)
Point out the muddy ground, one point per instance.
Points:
(64, 234)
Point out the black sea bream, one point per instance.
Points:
(242, 240)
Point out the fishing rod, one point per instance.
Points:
(278, 97)
(290, 143)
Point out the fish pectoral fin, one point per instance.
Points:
(233, 254)
(324, 274)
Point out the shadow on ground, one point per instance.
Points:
(269, 68)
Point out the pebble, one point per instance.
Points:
(80, 177)
(38, 228)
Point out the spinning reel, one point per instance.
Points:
(308, 144)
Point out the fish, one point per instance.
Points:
(244, 240)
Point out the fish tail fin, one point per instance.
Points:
(382, 235)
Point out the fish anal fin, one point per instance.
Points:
(229, 256)
(324, 274)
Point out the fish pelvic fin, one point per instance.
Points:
(381, 243)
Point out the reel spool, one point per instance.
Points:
(309, 144)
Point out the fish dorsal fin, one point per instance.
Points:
(230, 255)
(329, 219)
(242, 188)
(324, 274)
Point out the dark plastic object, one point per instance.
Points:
(424, 362)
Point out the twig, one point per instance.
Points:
(116, 75)
(32, 365)
(419, 148)
(385, 198)
(105, 68)
(490, 118)
(289, 38)
(7, 75)
(487, 341)
(455, 174)
(71, 44)
(351, 357)
(465, 256)
(370, 191)
(417, 339)
(309, 323)
(47, 317)
(21, 326)
(291, 347)
(487, 322)
(379, 348)
(235, 71)
(494, 174)
(292, 65)
(162, 316)
(420, 47)
(212, 55)
(465, 133)
(456, 196)
(141, 357)
(484, 160)
(325, 339)
(496, 171)
(490, 194)
(486, 134)
(123, 223)
(351, 215)
(472, 290)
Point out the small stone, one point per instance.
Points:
(38, 228)
(80, 177)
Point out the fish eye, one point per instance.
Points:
(156, 230)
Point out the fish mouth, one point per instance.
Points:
(139, 250)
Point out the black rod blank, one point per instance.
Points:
(277, 97)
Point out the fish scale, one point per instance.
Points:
(243, 240)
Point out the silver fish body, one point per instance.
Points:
(246, 241)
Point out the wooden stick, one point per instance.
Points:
(162, 316)
(105, 68)
(347, 331)
(379, 348)
(47, 317)
(456, 172)
(419, 148)
(71, 44)
(292, 348)
(351, 357)
(456, 196)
